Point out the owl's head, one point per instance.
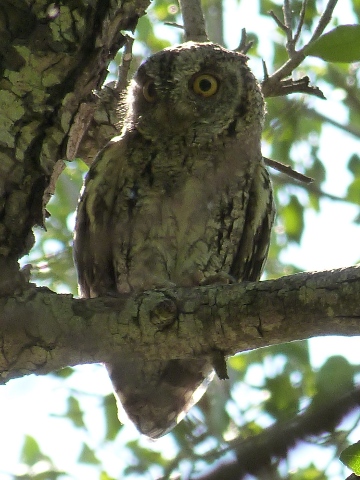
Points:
(196, 91)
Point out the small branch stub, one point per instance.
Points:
(164, 314)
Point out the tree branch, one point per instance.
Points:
(194, 22)
(278, 83)
(42, 331)
(256, 453)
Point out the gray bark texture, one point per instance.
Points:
(52, 59)
(42, 331)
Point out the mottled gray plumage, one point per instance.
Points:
(181, 197)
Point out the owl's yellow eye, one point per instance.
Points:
(205, 85)
(149, 91)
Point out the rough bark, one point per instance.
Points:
(52, 58)
(42, 331)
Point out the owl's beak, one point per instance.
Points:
(174, 117)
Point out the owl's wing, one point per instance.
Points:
(251, 254)
(92, 239)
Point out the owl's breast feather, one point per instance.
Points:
(185, 222)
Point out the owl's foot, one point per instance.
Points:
(220, 278)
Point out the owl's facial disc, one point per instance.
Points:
(203, 85)
(196, 92)
(165, 109)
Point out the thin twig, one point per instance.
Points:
(277, 20)
(174, 24)
(284, 179)
(289, 171)
(244, 45)
(324, 20)
(346, 128)
(287, 16)
(301, 22)
(273, 83)
(194, 22)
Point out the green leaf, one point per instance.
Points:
(31, 452)
(74, 412)
(351, 457)
(354, 165)
(88, 456)
(334, 378)
(105, 476)
(111, 419)
(293, 218)
(339, 45)
(64, 372)
(353, 192)
(317, 171)
(144, 458)
(308, 473)
(284, 398)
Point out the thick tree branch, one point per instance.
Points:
(42, 331)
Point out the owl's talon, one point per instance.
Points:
(220, 278)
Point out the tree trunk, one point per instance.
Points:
(53, 58)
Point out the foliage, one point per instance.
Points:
(268, 385)
(340, 45)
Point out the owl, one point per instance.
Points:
(180, 198)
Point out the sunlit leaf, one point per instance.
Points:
(105, 476)
(64, 372)
(353, 192)
(351, 457)
(339, 45)
(31, 453)
(308, 473)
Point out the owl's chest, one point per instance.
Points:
(182, 217)
(179, 187)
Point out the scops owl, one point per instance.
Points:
(181, 197)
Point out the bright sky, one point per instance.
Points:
(330, 240)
